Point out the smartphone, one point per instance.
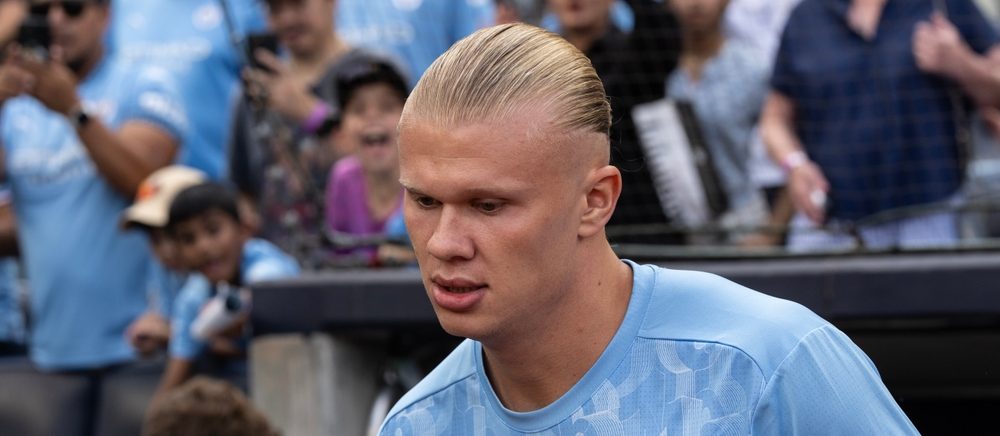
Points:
(255, 41)
(34, 36)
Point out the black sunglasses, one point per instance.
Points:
(71, 8)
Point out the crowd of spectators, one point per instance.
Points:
(256, 138)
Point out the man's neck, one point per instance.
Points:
(312, 66)
(583, 38)
(544, 362)
(699, 48)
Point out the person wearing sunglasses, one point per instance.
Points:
(284, 136)
(78, 138)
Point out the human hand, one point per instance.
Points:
(938, 47)
(14, 80)
(149, 333)
(283, 92)
(54, 85)
(808, 188)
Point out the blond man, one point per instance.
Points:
(504, 155)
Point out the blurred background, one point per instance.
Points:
(831, 152)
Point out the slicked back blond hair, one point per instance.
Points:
(502, 69)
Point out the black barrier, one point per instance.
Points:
(959, 286)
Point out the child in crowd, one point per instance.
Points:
(151, 332)
(216, 246)
(363, 191)
(206, 407)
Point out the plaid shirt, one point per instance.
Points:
(883, 131)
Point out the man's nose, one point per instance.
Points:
(450, 241)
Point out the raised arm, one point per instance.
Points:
(940, 49)
(125, 157)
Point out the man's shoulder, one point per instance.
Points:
(703, 307)
(457, 367)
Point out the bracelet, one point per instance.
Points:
(315, 119)
(794, 160)
(78, 117)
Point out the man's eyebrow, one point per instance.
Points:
(470, 192)
(412, 190)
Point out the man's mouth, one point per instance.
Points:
(462, 290)
(458, 286)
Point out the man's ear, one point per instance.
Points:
(604, 187)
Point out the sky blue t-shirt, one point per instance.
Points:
(87, 275)
(695, 354)
(414, 31)
(262, 261)
(191, 39)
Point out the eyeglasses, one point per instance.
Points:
(72, 9)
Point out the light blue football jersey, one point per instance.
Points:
(696, 354)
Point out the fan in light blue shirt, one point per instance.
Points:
(262, 261)
(87, 275)
(193, 40)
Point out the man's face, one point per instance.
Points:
(77, 27)
(212, 244)
(580, 14)
(301, 25)
(699, 15)
(369, 126)
(493, 213)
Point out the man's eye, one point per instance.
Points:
(425, 202)
(488, 206)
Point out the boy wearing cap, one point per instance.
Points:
(149, 213)
(209, 314)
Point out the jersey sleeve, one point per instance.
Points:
(183, 344)
(827, 383)
(156, 100)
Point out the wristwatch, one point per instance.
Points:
(78, 117)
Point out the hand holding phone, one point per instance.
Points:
(261, 41)
(34, 36)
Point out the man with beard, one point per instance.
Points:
(77, 141)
